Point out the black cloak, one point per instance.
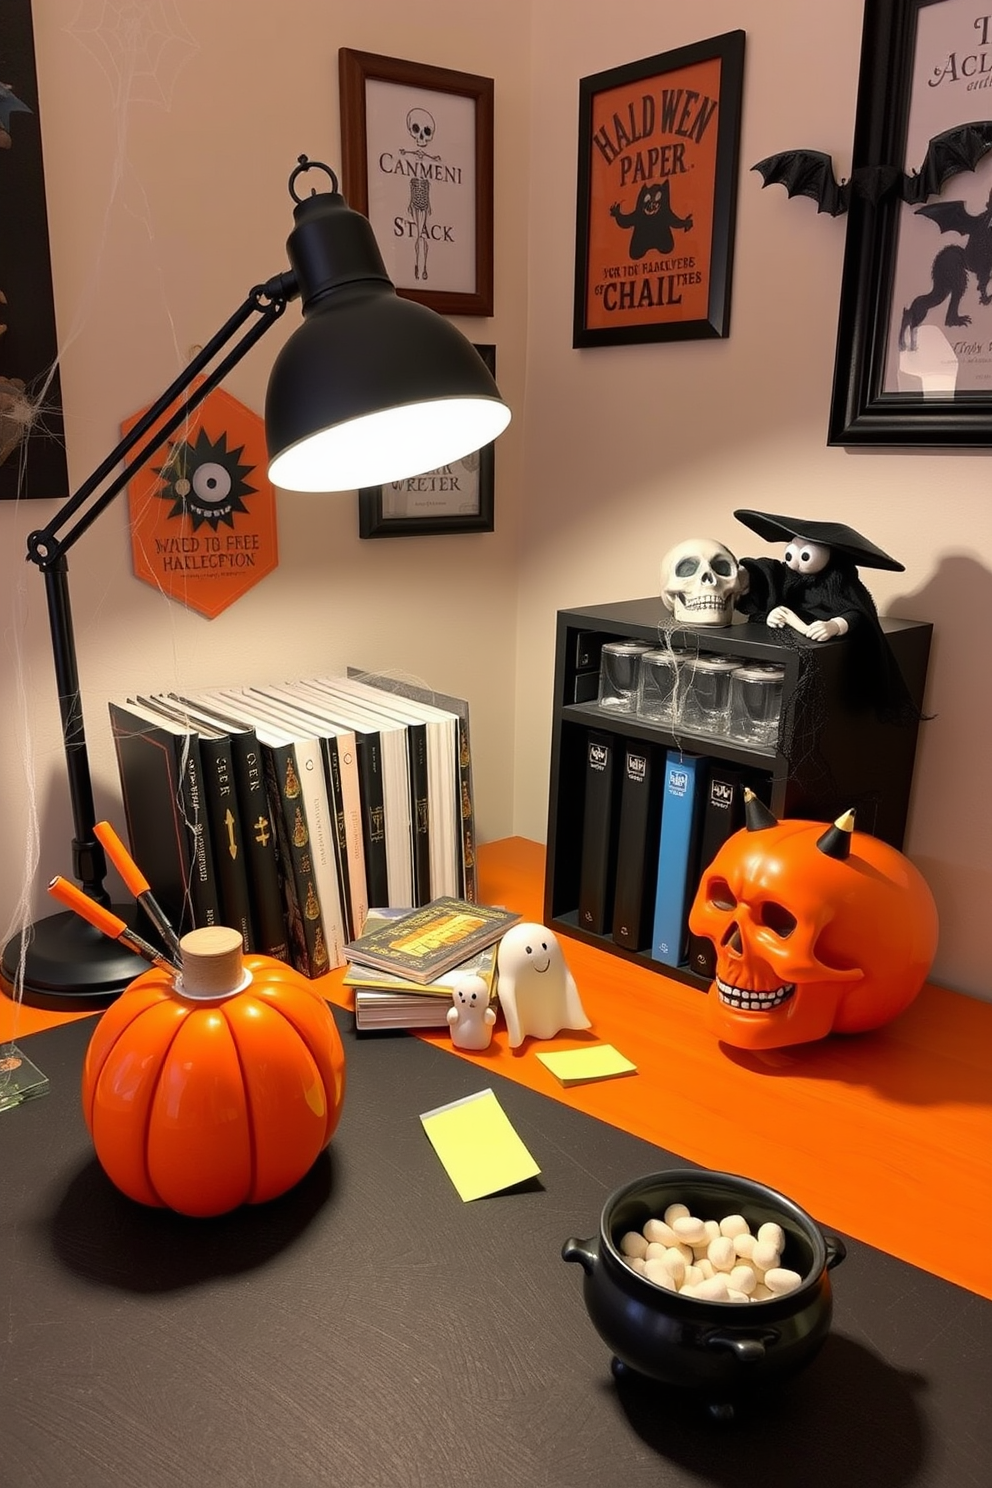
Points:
(836, 592)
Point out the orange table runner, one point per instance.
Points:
(872, 1134)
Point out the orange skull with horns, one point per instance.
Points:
(817, 929)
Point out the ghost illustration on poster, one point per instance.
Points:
(537, 992)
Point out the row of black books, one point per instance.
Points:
(654, 819)
(286, 810)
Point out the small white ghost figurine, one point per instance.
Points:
(537, 992)
(470, 1017)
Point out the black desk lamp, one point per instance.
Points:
(370, 388)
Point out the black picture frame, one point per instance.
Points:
(373, 88)
(32, 464)
(864, 410)
(643, 127)
(375, 519)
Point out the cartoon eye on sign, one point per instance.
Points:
(205, 480)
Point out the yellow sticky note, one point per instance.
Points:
(478, 1147)
(574, 1066)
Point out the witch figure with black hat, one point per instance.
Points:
(815, 589)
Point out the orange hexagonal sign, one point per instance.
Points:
(203, 514)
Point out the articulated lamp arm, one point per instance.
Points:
(267, 301)
(47, 547)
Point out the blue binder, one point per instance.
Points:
(677, 852)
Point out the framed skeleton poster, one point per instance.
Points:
(417, 159)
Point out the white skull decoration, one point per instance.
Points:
(700, 580)
(420, 125)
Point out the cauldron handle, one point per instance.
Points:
(747, 1350)
(836, 1250)
(586, 1252)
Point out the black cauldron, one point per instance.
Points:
(721, 1351)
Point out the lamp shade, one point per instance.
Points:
(371, 387)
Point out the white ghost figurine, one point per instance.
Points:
(537, 992)
(470, 1017)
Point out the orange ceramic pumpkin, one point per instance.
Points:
(200, 1099)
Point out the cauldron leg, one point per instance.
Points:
(628, 1374)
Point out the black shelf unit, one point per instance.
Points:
(830, 757)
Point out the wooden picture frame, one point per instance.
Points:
(455, 498)
(657, 196)
(417, 159)
(897, 382)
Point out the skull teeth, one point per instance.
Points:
(748, 1001)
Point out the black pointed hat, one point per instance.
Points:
(830, 534)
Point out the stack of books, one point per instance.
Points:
(405, 965)
(286, 810)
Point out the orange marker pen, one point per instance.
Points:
(104, 919)
(137, 883)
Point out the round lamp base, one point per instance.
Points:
(70, 966)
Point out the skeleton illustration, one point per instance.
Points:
(700, 580)
(421, 127)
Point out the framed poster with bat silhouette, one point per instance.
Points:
(914, 340)
(657, 196)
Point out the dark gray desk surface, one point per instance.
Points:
(371, 1329)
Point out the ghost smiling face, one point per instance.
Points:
(537, 992)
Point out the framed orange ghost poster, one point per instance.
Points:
(657, 195)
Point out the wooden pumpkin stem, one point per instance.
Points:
(212, 962)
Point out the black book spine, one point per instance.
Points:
(261, 848)
(150, 770)
(332, 774)
(203, 889)
(224, 818)
(466, 806)
(723, 814)
(420, 803)
(599, 832)
(308, 949)
(373, 817)
(261, 853)
(466, 812)
(637, 846)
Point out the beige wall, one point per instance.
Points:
(162, 217)
(630, 449)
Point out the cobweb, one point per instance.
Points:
(141, 46)
(808, 773)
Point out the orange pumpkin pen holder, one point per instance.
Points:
(214, 1087)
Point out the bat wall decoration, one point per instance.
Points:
(811, 173)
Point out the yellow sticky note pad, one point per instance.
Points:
(574, 1066)
(478, 1147)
